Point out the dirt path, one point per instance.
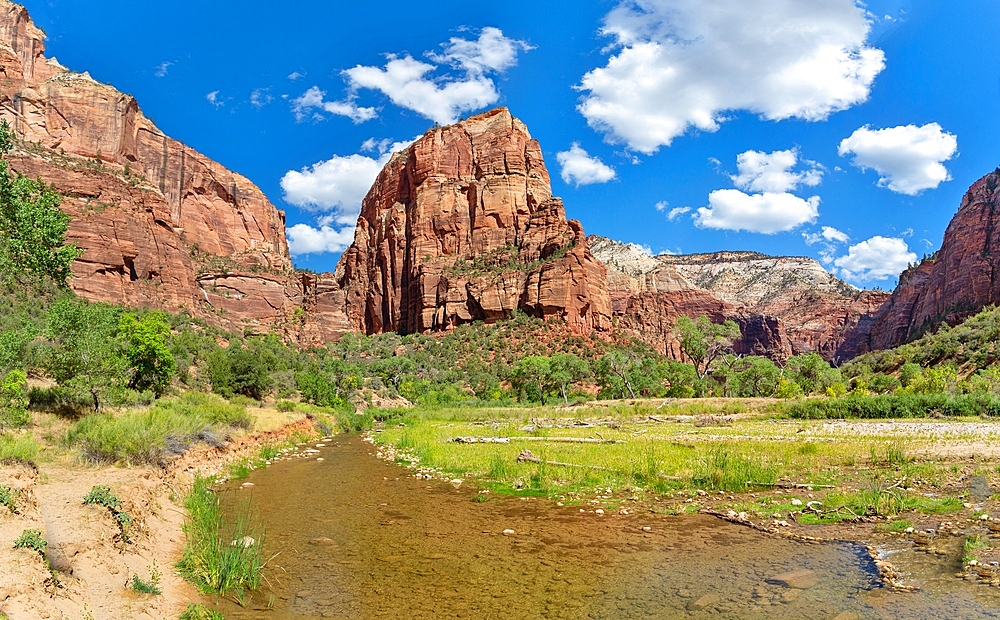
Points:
(93, 565)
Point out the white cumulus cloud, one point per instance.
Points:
(334, 188)
(313, 102)
(877, 258)
(579, 168)
(411, 83)
(772, 172)
(305, 239)
(682, 64)
(908, 159)
(768, 213)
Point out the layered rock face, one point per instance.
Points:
(784, 305)
(462, 226)
(161, 225)
(961, 279)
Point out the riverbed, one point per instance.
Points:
(352, 536)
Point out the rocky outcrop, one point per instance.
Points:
(958, 281)
(784, 305)
(161, 225)
(462, 226)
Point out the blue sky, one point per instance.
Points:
(831, 129)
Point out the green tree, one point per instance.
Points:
(811, 372)
(149, 359)
(86, 353)
(32, 228)
(250, 369)
(757, 377)
(565, 369)
(530, 376)
(704, 342)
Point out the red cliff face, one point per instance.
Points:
(960, 280)
(462, 226)
(161, 225)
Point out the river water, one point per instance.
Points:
(356, 537)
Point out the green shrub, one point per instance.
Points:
(285, 406)
(901, 405)
(32, 540)
(59, 400)
(8, 498)
(14, 400)
(101, 495)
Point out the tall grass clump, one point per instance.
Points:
(21, 448)
(221, 556)
(168, 428)
(724, 470)
(195, 611)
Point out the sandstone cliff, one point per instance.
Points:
(160, 224)
(462, 226)
(784, 305)
(958, 281)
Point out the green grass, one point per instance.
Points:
(148, 587)
(215, 558)
(18, 448)
(101, 495)
(32, 540)
(168, 428)
(972, 545)
(200, 612)
(897, 525)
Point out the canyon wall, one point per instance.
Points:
(961, 279)
(784, 305)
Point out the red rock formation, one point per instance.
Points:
(957, 282)
(462, 226)
(160, 224)
(784, 305)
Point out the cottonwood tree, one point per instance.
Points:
(32, 228)
(565, 369)
(703, 342)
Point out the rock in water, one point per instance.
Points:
(801, 579)
(462, 226)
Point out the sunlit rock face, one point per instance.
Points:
(462, 226)
(784, 305)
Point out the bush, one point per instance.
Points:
(14, 400)
(902, 405)
(285, 406)
(33, 541)
(101, 495)
(200, 612)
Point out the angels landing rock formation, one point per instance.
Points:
(958, 281)
(784, 305)
(462, 226)
(161, 225)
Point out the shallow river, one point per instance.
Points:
(398, 547)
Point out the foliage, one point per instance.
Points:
(221, 556)
(101, 495)
(14, 400)
(146, 352)
(8, 498)
(900, 405)
(33, 541)
(32, 228)
(703, 342)
(148, 587)
(18, 448)
(166, 429)
(196, 611)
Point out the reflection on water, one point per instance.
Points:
(361, 538)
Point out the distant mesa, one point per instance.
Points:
(459, 227)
